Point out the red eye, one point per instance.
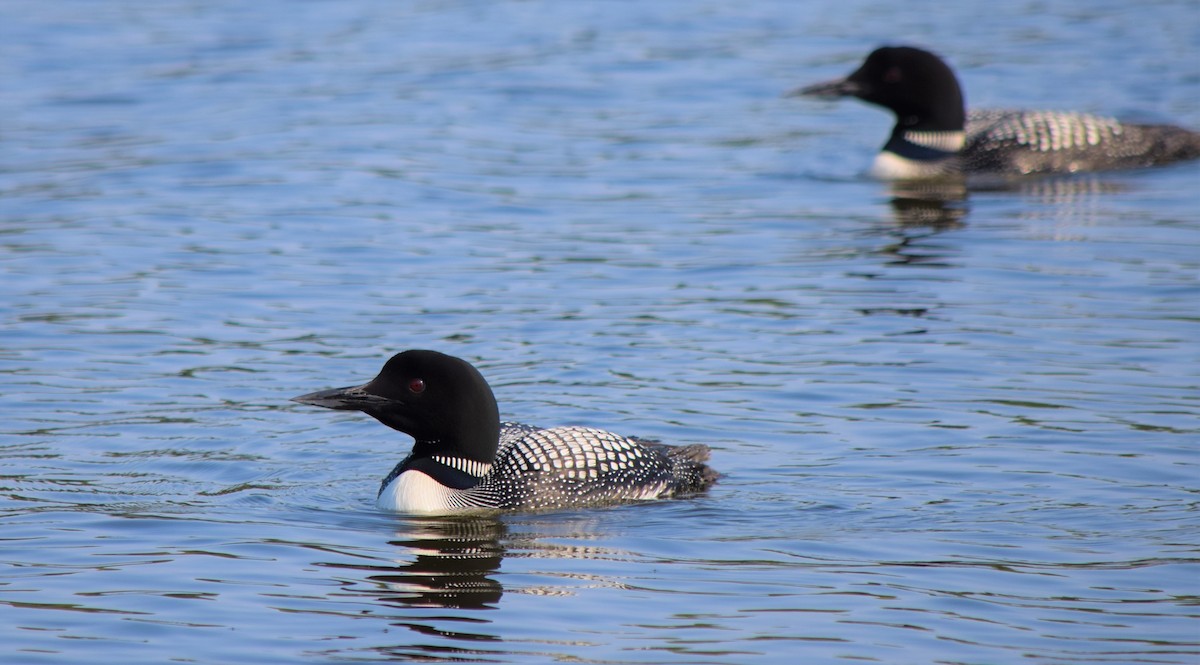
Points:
(416, 386)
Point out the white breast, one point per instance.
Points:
(890, 166)
(415, 493)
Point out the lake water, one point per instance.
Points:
(953, 430)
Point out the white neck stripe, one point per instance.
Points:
(944, 141)
(468, 466)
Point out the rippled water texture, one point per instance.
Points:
(954, 429)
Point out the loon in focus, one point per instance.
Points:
(464, 459)
(935, 137)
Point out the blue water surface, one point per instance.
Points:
(953, 428)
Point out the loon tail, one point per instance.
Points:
(1177, 144)
(688, 466)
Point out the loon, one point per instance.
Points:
(935, 137)
(464, 459)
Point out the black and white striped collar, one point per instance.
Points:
(942, 141)
(468, 466)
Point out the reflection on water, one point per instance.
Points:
(1066, 207)
(1058, 189)
(939, 205)
(441, 564)
(444, 583)
(448, 564)
(1064, 204)
(916, 246)
(943, 204)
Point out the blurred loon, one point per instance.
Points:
(464, 459)
(935, 137)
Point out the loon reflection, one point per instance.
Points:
(440, 577)
(937, 205)
(452, 560)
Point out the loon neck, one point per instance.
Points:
(446, 470)
(924, 146)
(468, 454)
(910, 155)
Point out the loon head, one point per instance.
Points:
(442, 402)
(916, 85)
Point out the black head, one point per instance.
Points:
(441, 401)
(919, 87)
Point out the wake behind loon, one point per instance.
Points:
(464, 459)
(935, 137)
